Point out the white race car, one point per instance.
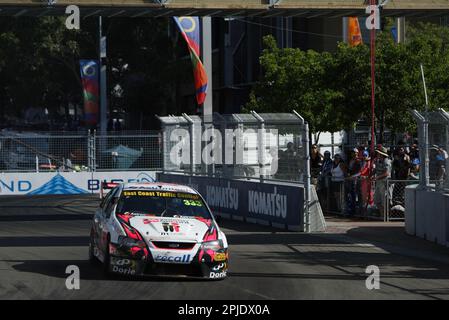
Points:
(157, 229)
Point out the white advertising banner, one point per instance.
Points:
(52, 183)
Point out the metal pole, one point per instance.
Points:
(207, 62)
(345, 29)
(304, 128)
(307, 183)
(373, 83)
(192, 141)
(401, 29)
(260, 145)
(102, 67)
(426, 132)
(421, 120)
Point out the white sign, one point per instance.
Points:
(52, 183)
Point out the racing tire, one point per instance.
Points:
(92, 258)
(107, 262)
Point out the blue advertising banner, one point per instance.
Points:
(274, 204)
(66, 183)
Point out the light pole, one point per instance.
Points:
(102, 68)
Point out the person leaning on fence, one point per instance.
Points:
(414, 169)
(382, 173)
(339, 172)
(401, 171)
(352, 182)
(325, 179)
(437, 166)
(316, 161)
(366, 192)
(326, 171)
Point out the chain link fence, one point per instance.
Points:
(80, 151)
(362, 197)
(265, 146)
(433, 133)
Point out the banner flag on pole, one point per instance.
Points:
(89, 80)
(190, 30)
(394, 33)
(354, 33)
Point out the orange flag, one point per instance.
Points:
(354, 33)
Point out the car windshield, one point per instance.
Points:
(162, 204)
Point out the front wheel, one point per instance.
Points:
(92, 258)
(107, 262)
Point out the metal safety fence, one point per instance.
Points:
(433, 134)
(264, 146)
(79, 151)
(362, 197)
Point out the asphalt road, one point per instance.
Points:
(40, 237)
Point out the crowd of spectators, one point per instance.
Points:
(356, 182)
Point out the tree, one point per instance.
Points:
(294, 79)
(332, 90)
(40, 56)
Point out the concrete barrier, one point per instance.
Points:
(427, 214)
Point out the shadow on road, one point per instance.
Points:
(88, 271)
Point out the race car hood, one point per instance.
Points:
(171, 229)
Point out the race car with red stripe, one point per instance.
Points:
(157, 229)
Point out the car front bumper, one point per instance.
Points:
(204, 264)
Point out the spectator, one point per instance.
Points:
(316, 161)
(326, 168)
(414, 151)
(366, 192)
(437, 166)
(352, 182)
(401, 172)
(414, 169)
(324, 179)
(382, 173)
(338, 172)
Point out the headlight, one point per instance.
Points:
(213, 245)
(130, 242)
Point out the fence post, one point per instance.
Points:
(423, 153)
(89, 156)
(304, 128)
(192, 146)
(91, 150)
(94, 151)
(260, 145)
(307, 183)
(387, 201)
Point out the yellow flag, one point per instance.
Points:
(354, 33)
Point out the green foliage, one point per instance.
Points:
(333, 90)
(40, 56)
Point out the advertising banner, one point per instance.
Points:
(90, 80)
(274, 204)
(54, 183)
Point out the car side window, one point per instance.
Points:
(111, 203)
(106, 199)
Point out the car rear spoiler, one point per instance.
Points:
(107, 186)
